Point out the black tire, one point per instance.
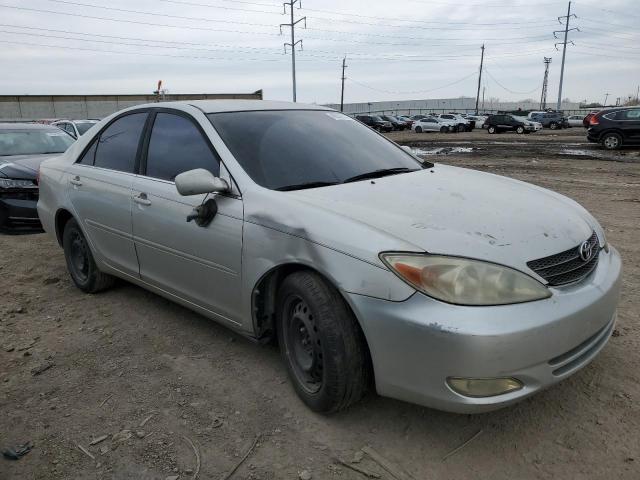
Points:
(418, 129)
(520, 130)
(491, 129)
(321, 344)
(444, 129)
(553, 126)
(611, 141)
(461, 127)
(80, 263)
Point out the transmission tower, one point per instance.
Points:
(566, 31)
(545, 83)
(292, 26)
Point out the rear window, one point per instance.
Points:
(33, 142)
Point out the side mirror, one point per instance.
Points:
(198, 181)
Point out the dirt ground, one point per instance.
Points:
(75, 368)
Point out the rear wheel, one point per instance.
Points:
(491, 129)
(462, 127)
(80, 263)
(611, 141)
(553, 126)
(418, 129)
(444, 129)
(321, 343)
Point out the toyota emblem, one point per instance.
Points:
(586, 250)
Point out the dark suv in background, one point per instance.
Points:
(508, 123)
(396, 123)
(615, 127)
(375, 122)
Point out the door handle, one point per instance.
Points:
(142, 199)
(75, 181)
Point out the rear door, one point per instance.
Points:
(100, 190)
(630, 123)
(198, 264)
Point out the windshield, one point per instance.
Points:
(279, 149)
(84, 126)
(33, 142)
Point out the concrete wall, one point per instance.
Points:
(35, 107)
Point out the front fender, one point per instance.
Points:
(265, 248)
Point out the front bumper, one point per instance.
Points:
(417, 344)
(18, 211)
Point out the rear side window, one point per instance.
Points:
(89, 156)
(177, 146)
(118, 144)
(630, 115)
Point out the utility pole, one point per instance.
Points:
(344, 65)
(479, 78)
(545, 84)
(483, 89)
(564, 49)
(293, 43)
(606, 97)
(638, 94)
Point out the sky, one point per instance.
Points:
(395, 50)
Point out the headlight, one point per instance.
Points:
(464, 281)
(11, 183)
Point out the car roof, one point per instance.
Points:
(239, 105)
(25, 126)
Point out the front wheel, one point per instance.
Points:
(418, 129)
(520, 130)
(491, 130)
(80, 263)
(444, 129)
(321, 343)
(461, 127)
(611, 141)
(553, 126)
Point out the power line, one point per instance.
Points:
(358, 15)
(414, 91)
(505, 88)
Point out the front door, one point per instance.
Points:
(100, 191)
(198, 264)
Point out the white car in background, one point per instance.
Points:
(575, 120)
(432, 124)
(462, 123)
(75, 128)
(536, 125)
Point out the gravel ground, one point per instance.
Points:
(160, 383)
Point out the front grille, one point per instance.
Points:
(568, 266)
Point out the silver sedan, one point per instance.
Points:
(437, 285)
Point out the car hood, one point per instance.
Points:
(23, 167)
(443, 210)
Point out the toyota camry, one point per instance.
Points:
(442, 286)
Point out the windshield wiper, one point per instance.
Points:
(302, 186)
(380, 173)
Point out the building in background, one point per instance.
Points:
(38, 107)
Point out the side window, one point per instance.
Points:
(89, 156)
(176, 145)
(631, 115)
(118, 144)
